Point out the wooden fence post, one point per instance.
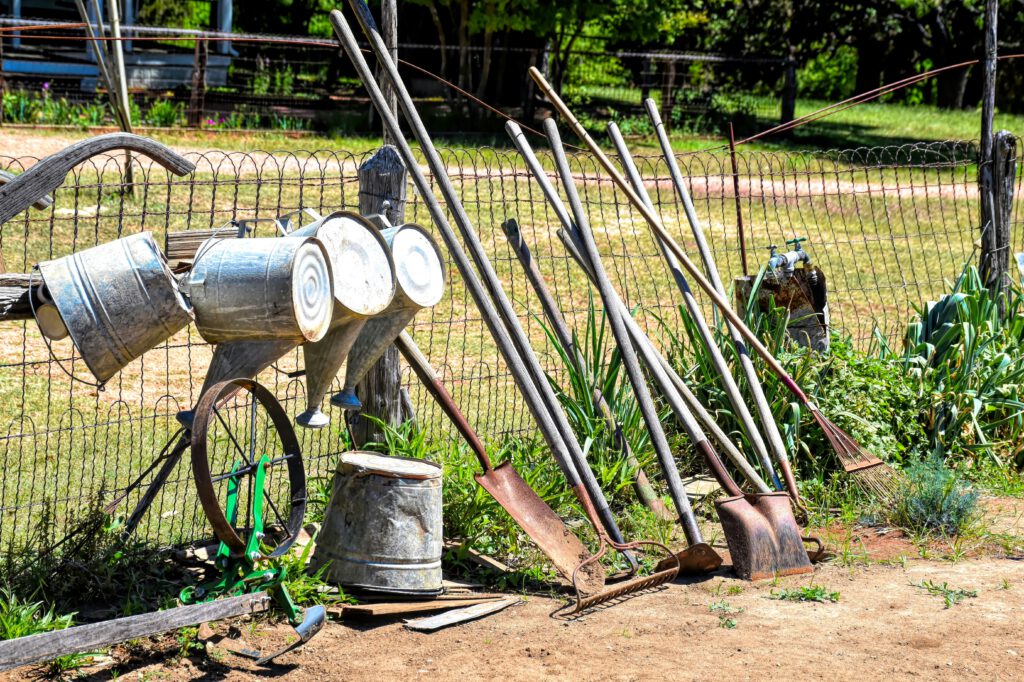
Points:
(997, 188)
(788, 107)
(197, 100)
(668, 87)
(382, 179)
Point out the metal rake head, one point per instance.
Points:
(621, 589)
(869, 472)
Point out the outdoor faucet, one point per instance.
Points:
(787, 261)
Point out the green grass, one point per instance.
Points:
(950, 596)
(806, 593)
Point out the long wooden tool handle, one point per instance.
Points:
(655, 223)
(421, 366)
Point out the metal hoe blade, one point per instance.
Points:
(312, 622)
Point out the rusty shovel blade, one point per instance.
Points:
(542, 525)
(763, 537)
(698, 558)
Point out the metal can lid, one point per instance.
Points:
(386, 465)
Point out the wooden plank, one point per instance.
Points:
(443, 620)
(50, 645)
(399, 608)
(455, 599)
(182, 246)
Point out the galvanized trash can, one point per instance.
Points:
(382, 529)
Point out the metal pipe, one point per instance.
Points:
(629, 359)
(764, 410)
(732, 390)
(567, 452)
(675, 390)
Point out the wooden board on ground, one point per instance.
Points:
(462, 615)
(50, 645)
(399, 608)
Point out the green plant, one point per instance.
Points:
(308, 588)
(950, 596)
(165, 113)
(815, 593)
(726, 614)
(935, 499)
(20, 618)
(188, 641)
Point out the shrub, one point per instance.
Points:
(165, 113)
(935, 499)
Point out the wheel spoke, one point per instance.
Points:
(273, 506)
(231, 435)
(252, 432)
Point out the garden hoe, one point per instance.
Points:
(882, 479)
(698, 557)
(508, 334)
(506, 486)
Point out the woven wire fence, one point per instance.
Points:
(887, 225)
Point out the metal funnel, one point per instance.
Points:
(420, 275)
(364, 285)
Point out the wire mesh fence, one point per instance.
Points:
(887, 225)
(196, 78)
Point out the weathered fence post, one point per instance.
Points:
(997, 188)
(667, 89)
(788, 108)
(196, 101)
(381, 181)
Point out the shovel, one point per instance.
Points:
(507, 487)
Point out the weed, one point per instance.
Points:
(950, 596)
(935, 499)
(188, 642)
(62, 665)
(20, 618)
(815, 593)
(726, 613)
(1004, 584)
(305, 588)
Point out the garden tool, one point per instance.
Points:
(875, 475)
(699, 556)
(728, 383)
(506, 486)
(419, 276)
(764, 410)
(249, 571)
(518, 354)
(641, 485)
(668, 379)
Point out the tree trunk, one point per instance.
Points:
(381, 179)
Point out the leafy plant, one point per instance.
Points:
(165, 113)
(815, 593)
(951, 596)
(935, 498)
(726, 614)
(20, 618)
(308, 588)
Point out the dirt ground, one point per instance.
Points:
(883, 626)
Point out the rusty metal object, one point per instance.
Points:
(261, 289)
(419, 271)
(287, 452)
(364, 287)
(382, 530)
(760, 529)
(117, 300)
(508, 488)
(803, 293)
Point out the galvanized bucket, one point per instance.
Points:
(117, 300)
(382, 529)
(261, 289)
(364, 285)
(419, 270)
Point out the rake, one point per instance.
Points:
(871, 473)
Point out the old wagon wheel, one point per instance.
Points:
(239, 426)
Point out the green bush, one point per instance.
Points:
(165, 113)
(935, 499)
(829, 75)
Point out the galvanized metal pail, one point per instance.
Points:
(419, 270)
(382, 529)
(364, 285)
(261, 289)
(117, 300)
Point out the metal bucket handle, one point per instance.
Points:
(100, 385)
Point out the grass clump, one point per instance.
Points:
(813, 593)
(935, 500)
(951, 596)
(23, 617)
